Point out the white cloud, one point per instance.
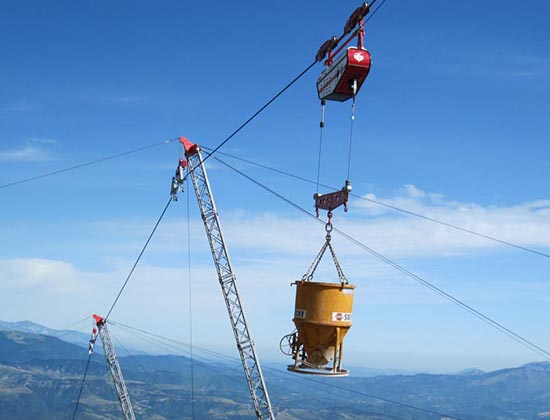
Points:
(24, 275)
(526, 224)
(395, 234)
(273, 236)
(63, 292)
(269, 251)
(34, 150)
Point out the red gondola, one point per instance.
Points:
(344, 76)
(341, 80)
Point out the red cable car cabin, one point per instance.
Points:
(336, 82)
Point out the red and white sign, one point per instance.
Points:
(359, 56)
(341, 316)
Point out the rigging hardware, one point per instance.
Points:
(332, 200)
(340, 81)
(226, 277)
(344, 75)
(322, 316)
(322, 313)
(309, 275)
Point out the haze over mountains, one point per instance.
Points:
(40, 376)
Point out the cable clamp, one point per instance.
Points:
(177, 180)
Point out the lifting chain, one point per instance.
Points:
(309, 275)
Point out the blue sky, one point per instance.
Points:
(452, 123)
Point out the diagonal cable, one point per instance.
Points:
(258, 112)
(82, 386)
(190, 301)
(244, 124)
(498, 326)
(89, 163)
(389, 206)
(286, 375)
(138, 258)
(110, 157)
(369, 17)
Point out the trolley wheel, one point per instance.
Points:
(288, 344)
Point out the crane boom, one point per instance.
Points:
(227, 280)
(114, 369)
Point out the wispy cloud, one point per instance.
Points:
(271, 250)
(127, 99)
(487, 62)
(36, 274)
(529, 66)
(526, 224)
(392, 233)
(34, 150)
(19, 106)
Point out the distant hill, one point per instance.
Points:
(69, 336)
(40, 377)
(17, 346)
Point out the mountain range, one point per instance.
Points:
(69, 336)
(41, 375)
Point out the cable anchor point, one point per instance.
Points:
(177, 180)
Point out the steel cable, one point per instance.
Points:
(285, 375)
(89, 163)
(253, 116)
(189, 290)
(82, 386)
(138, 258)
(237, 130)
(518, 338)
(390, 206)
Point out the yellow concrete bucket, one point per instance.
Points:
(322, 315)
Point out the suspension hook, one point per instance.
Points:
(353, 87)
(328, 226)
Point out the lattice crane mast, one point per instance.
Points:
(226, 276)
(114, 367)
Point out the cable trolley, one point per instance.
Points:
(323, 310)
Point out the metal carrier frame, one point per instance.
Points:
(227, 280)
(291, 344)
(114, 369)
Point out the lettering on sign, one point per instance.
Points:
(300, 313)
(341, 316)
(332, 200)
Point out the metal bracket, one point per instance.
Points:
(177, 180)
(333, 200)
